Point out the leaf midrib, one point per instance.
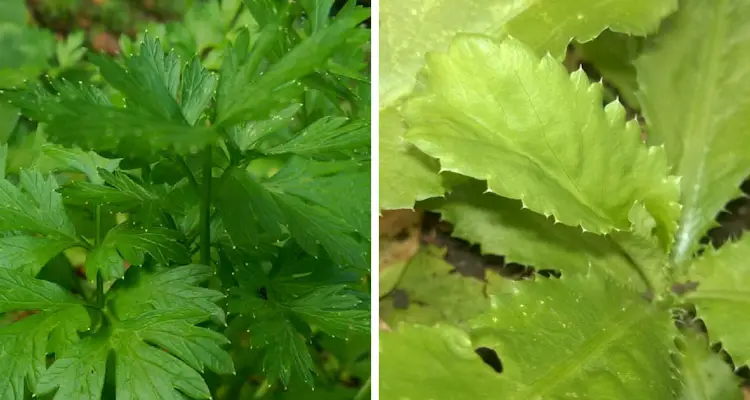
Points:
(697, 137)
(589, 350)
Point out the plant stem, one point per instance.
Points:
(99, 279)
(205, 210)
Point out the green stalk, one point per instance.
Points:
(99, 279)
(205, 220)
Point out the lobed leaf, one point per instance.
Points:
(29, 254)
(326, 136)
(543, 111)
(125, 243)
(142, 370)
(332, 310)
(35, 207)
(24, 344)
(723, 292)
(142, 291)
(700, 113)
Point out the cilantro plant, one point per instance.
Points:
(482, 123)
(191, 233)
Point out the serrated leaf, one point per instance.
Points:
(332, 310)
(253, 96)
(406, 175)
(705, 376)
(149, 79)
(549, 25)
(29, 254)
(125, 243)
(246, 208)
(526, 149)
(25, 343)
(248, 134)
(436, 293)
(723, 292)
(700, 114)
(285, 350)
(500, 226)
(142, 291)
(342, 188)
(198, 85)
(142, 370)
(128, 132)
(615, 346)
(412, 28)
(326, 136)
(74, 159)
(249, 207)
(37, 209)
(122, 193)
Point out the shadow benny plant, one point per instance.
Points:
(201, 200)
(524, 160)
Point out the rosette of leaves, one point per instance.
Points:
(525, 160)
(198, 199)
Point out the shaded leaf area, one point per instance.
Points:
(604, 355)
(523, 144)
(502, 226)
(151, 119)
(270, 305)
(327, 214)
(429, 292)
(700, 113)
(158, 350)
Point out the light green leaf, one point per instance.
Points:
(412, 28)
(550, 25)
(8, 119)
(524, 151)
(70, 50)
(705, 376)
(332, 310)
(74, 159)
(247, 135)
(501, 226)
(436, 293)
(80, 375)
(24, 344)
(580, 336)
(722, 296)
(142, 291)
(406, 174)
(29, 254)
(700, 113)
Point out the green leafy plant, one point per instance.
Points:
(527, 160)
(191, 233)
